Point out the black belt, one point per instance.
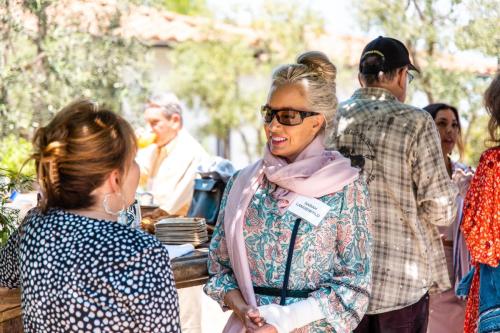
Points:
(276, 292)
(284, 292)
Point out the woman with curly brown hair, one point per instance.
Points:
(79, 268)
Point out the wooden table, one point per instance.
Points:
(10, 311)
(189, 270)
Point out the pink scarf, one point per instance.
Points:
(315, 173)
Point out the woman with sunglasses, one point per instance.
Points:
(292, 248)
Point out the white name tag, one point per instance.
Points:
(310, 209)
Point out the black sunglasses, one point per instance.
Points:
(411, 76)
(287, 117)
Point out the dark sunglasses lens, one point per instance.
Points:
(267, 115)
(289, 117)
(284, 117)
(410, 77)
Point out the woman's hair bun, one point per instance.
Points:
(319, 63)
(77, 150)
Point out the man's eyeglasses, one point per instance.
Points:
(287, 117)
(410, 76)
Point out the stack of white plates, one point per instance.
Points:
(182, 230)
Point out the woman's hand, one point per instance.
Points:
(462, 180)
(254, 323)
(249, 315)
(252, 320)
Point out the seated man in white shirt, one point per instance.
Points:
(168, 167)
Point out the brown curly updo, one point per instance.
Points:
(77, 150)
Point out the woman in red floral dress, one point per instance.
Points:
(481, 228)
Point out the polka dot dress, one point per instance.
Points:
(84, 275)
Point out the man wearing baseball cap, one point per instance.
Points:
(398, 149)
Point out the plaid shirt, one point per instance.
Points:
(398, 148)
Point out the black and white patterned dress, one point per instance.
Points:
(79, 274)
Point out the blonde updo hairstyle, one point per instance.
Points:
(77, 150)
(316, 75)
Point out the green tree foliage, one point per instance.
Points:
(14, 152)
(285, 28)
(44, 67)
(481, 29)
(185, 7)
(477, 137)
(227, 79)
(430, 28)
(210, 73)
(10, 181)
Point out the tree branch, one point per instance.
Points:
(39, 57)
(246, 144)
(419, 11)
(467, 133)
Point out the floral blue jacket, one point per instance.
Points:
(333, 258)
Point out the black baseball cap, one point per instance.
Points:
(393, 54)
